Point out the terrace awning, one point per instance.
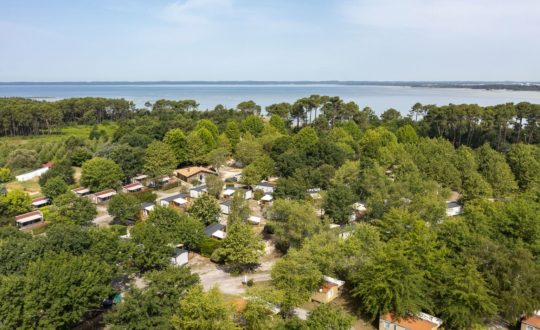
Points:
(267, 198)
(29, 218)
(106, 195)
(180, 201)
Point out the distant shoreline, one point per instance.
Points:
(487, 85)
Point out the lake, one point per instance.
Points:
(380, 98)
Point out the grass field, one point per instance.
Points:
(81, 131)
(9, 143)
(31, 187)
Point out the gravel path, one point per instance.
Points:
(211, 274)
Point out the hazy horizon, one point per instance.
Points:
(268, 81)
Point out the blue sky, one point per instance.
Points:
(83, 40)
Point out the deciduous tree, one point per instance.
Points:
(233, 132)
(70, 208)
(159, 159)
(177, 140)
(62, 169)
(153, 307)
(247, 150)
(214, 185)
(292, 222)
(123, 207)
(241, 249)
(338, 204)
(5, 174)
(101, 173)
(47, 282)
(253, 124)
(204, 310)
(15, 202)
(218, 158)
(327, 316)
(296, 277)
(205, 209)
(55, 187)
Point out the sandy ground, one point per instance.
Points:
(226, 172)
(103, 218)
(212, 274)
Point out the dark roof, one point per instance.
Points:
(145, 205)
(451, 205)
(199, 188)
(173, 197)
(226, 203)
(178, 251)
(208, 231)
(265, 184)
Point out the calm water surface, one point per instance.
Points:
(379, 98)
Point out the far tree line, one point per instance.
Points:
(468, 124)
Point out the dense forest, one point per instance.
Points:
(467, 124)
(404, 256)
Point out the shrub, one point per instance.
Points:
(146, 196)
(258, 194)
(5, 174)
(171, 185)
(195, 182)
(208, 246)
(119, 230)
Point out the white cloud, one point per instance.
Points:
(446, 15)
(195, 12)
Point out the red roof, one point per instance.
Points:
(39, 199)
(411, 323)
(134, 184)
(47, 164)
(533, 320)
(104, 192)
(26, 215)
(327, 286)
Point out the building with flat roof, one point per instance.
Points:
(196, 192)
(81, 191)
(40, 201)
(453, 209)
(133, 187)
(102, 196)
(178, 201)
(328, 291)
(27, 219)
(215, 230)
